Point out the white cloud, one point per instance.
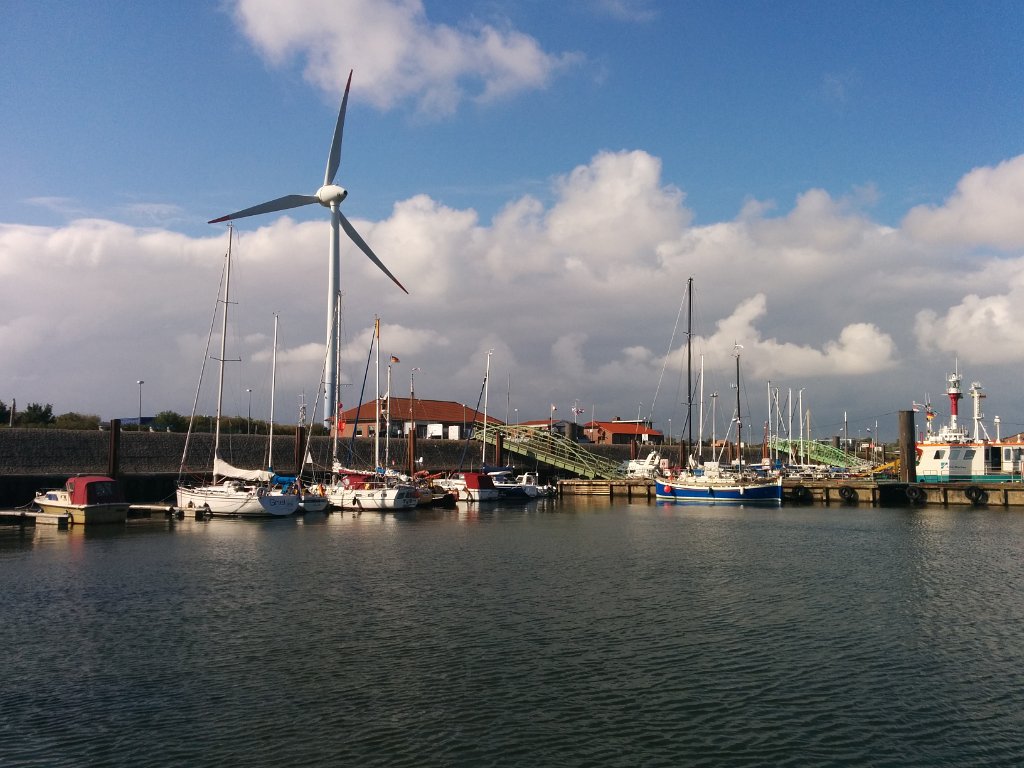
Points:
(979, 329)
(987, 209)
(577, 298)
(399, 52)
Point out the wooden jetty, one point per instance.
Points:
(834, 492)
(628, 488)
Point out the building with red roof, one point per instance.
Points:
(619, 432)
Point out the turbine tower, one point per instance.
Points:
(330, 196)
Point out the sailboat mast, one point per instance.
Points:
(376, 388)
(387, 420)
(223, 349)
(700, 425)
(273, 384)
(739, 415)
(487, 376)
(689, 367)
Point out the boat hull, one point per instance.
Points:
(232, 502)
(384, 499)
(313, 502)
(719, 492)
(83, 514)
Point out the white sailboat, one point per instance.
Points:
(233, 491)
(355, 489)
(309, 499)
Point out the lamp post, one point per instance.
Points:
(248, 415)
(140, 382)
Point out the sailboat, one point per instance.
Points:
(233, 492)
(376, 489)
(311, 499)
(709, 482)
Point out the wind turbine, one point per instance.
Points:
(330, 196)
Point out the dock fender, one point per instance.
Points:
(976, 495)
(801, 494)
(846, 493)
(915, 494)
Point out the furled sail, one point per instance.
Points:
(222, 469)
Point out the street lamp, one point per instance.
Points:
(248, 415)
(140, 382)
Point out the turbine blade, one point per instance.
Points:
(334, 159)
(351, 232)
(281, 204)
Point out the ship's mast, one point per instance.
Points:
(955, 394)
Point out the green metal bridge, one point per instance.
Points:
(825, 453)
(552, 448)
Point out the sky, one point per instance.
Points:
(844, 182)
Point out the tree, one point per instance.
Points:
(5, 414)
(170, 420)
(72, 420)
(36, 415)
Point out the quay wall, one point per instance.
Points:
(148, 462)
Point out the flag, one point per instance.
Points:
(395, 359)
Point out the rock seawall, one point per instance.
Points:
(149, 462)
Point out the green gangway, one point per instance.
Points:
(825, 453)
(552, 448)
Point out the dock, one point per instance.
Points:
(834, 492)
(628, 488)
(33, 517)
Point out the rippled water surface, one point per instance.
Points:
(583, 633)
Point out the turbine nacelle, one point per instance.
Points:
(331, 193)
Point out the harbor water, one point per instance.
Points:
(573, 632)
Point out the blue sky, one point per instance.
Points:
(841, 179)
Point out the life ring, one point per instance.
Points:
(846, 493)
(801, 494)
(915, 494)
(976, 495)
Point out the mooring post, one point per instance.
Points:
(908, 454)
(114, 448)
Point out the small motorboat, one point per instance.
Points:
(86, 500)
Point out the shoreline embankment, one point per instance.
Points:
(148, 463)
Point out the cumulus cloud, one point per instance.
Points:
(577, 297)
(400, 53)
(861, 348)
(987, 209)
(979, 329)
